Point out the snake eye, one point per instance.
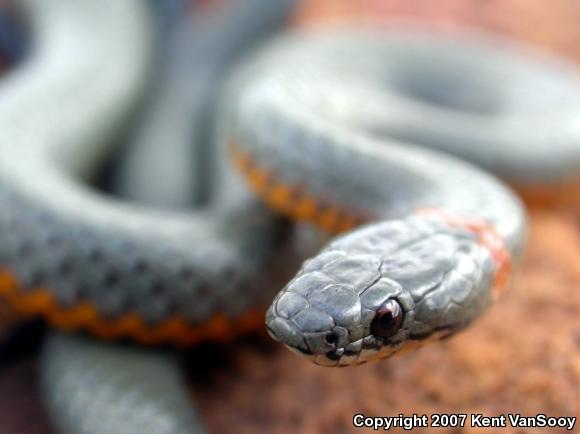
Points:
(387, 320)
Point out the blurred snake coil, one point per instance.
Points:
(331, 127)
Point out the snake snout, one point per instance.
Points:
(285, 331)
(304, 329)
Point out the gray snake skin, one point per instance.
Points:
(319, 142)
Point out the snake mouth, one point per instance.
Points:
(284, 331)
(340, 356)
(272, 333)
(300, 350)
(299, 346)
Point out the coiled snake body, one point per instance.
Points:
(312, 123)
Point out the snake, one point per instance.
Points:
(331, 127)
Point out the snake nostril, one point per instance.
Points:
(331, 338)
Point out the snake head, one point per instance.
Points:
(383, 288)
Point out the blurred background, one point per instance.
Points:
(522, 357)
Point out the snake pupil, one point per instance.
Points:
(388, 319)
